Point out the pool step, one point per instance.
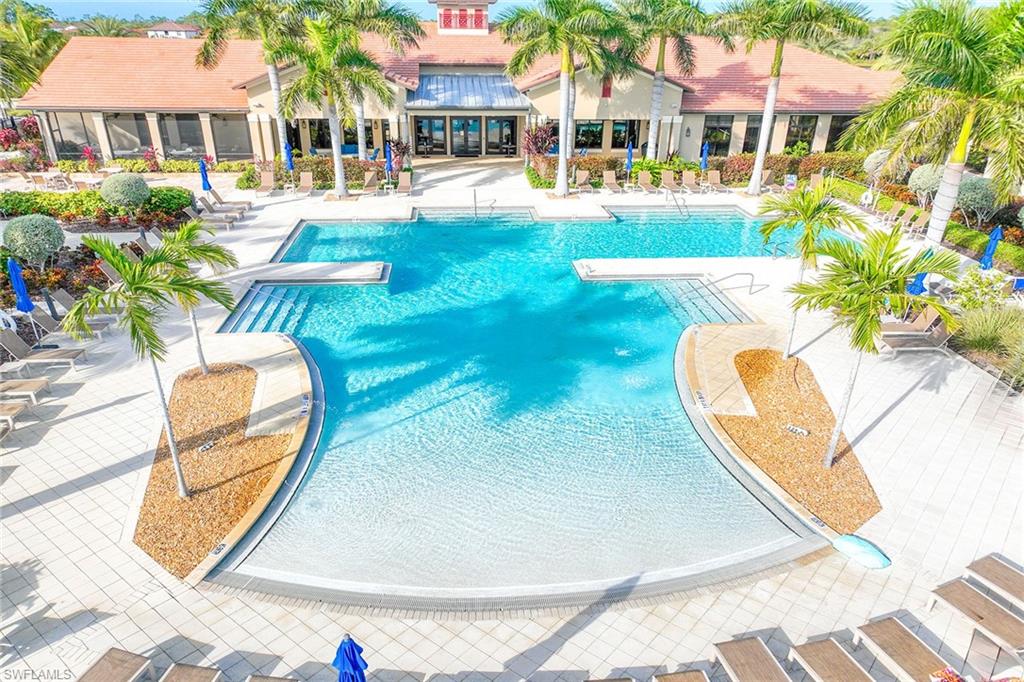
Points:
(259, 301)
(295, 315)
(693, 302)
(285, 300)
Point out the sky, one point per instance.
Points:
(65, 9)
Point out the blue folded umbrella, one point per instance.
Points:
(629, 158)
(704, 151)
(917, 287)
(990, 249)
(289, 162)
(349, 662)
(204, 176)
(21, 298)
(388, 165)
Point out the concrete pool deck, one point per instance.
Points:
(940, 440)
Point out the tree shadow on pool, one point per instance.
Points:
(532, 354)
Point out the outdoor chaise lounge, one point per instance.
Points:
(826, 661)
(714, 182)
(182, 672)
(749, 660)
(988, 617)
(110, 272)
(212, 220)
(52, 326)
(583, 181)
(130, 254)
(404, 183)
(305, 182)
(371, 183)
(13, 344)
(609, 182)
(893, 214)
(915, 227)
(931, 341)
(10, 410)
(900, 650)
(1000, 577)
(816, 180)
(690, 183)
(24, 388)
(767, 184)
(266, 182)
(209, 210)
(921, 323)
(240, 205)
(687, 676)
(118, 665)
(66, 300)
(668, 182)
(644, 182)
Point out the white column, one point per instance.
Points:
(304, 137)
(739, 130)
(207, 127)
(693, 133)
(267, 134)
(100, 127)
(820, 140)
(256, 135)
(779, 134)
(48, 142)
(153, 123)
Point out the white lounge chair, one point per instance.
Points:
(749, 660)
(826, 661)
(182, 672)
(988, 617)
(212, 211)
(899, 650)
(13, 344)
(1000, 577)
(23, 388)
(118, 665)
(52, 326)
(238, 205)
(686, 676)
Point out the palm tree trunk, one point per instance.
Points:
(172, 445)
(562, 174)
(833, 444)
(949, 187)
(339, 170)
(767, 121)
(792, 320)
(657, 93)
(199, 343)
(571, 131)
(357, 105)
(275, 89)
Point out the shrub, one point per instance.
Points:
(170, 200)
(9, 138)
(596, 163)
(127, 190)
(536, 181)
(179, 166)
(976, 198)
(873, 164)
(33, 237)
(90, 158)
(650, 165)
(844, 164)
(924, 182)
(973, 242)
(1020, 216)
(980, 289)
(736, 169)
(249, 179)
(998, 330)
(29, 127)
(799, 149)
(69, 166)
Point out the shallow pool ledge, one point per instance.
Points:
(694, 394)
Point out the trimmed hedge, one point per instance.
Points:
(65, 205)
(167, 166)
(1009, 256)
(845, 164)
(34, 237)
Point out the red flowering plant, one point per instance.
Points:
(102, 217)
(30, 128)
(9, 138)
(152, 162)
(92, 160)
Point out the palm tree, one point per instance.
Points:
(398, 26)
(658, 22)
(27, 44)
(782, 21)
(337, 71)
(110, 27)
(139, 299)
(185, 244)
(812, 211)
(268, 21)
(569, 29)
(860, 283)
(963, 66)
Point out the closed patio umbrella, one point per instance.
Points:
(990, 249)
(917, 287)
(389, 166)
(289, 162)
(21, 298)
(349, 661)
(704, 151)
(629, 159)
(204, 176)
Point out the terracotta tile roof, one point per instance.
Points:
(172, 26)
(154, 74)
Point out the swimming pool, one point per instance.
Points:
(492, 423)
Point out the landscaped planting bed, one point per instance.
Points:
(87, 211)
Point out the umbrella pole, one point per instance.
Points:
(49, 302)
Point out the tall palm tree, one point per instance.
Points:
(139, 299)
(186, 245)
(964, 69)
(398, 26)
(110, 27)
(569, 29)
(336, 71)
(27, 44)
(860, 283)
(812, 212)
(659, 22)
(783, 21)
(268, 21)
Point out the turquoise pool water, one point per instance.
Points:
(492, 421)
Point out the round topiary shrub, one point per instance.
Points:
(127, 190)
(924, 181)
(874, 166)
(976, 197)
(1020, 216)
(33, 237)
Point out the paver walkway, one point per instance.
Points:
(941, 443)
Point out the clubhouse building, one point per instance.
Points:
(452, 97)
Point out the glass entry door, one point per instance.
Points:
(430, 135)
(501, 136)
(465, 136)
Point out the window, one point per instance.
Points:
(319, 133)
(231, 136)
(624, 132)
(836, 128)
(71, 132)
(478, 19)
(752, 133)
(446, 18)
(717, 133)
(801, 129)
(129, 135)
(606, 87)
(463, 18)
(588, 134)
(182, 136)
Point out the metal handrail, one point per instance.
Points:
(750, 287)
(676, 201)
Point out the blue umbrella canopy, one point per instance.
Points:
(349, 661)
(289, 162)
(388, 165)
(704, 151)
(917, 287)
(629, 157)
(990, 249)
(204, 175)
(22, 300)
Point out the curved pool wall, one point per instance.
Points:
(590, 506)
